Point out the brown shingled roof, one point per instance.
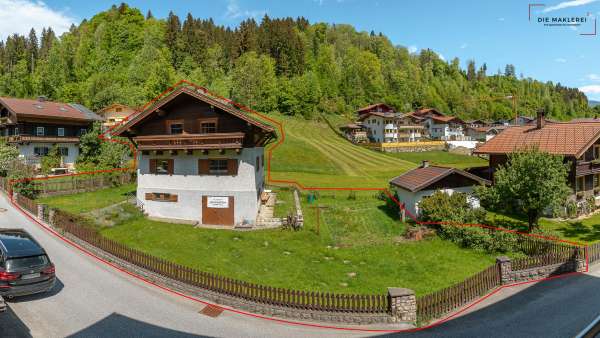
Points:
(371, 106)
(418, 179)
(554, 138)
(47, 109)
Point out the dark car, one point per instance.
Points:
(25, 268)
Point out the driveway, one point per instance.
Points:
(94, 300)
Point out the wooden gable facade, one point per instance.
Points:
(188, 120)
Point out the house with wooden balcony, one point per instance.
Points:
(35, 126)
(200, 159)
(384, 125)
(577, 142)
(115, 114)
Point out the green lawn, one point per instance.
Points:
(88, 201)
(443, 158)
(358, 248)
(315, 156)
(582, 231)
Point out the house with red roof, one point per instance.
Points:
(578, 142)
(415, 185)
(35, 126)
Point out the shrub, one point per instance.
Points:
(442, 207)
(52, 160)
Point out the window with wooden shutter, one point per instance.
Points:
(170, 166)
(152, 165)
(203, 167)
(160, 197)
(232, 167)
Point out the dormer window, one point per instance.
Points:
(40, 131)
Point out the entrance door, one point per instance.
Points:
(218, 210)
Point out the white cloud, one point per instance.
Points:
(441, 56)
(568, 4)
(592, 91)
(412, 49)
(560, 60)
(19, 16)
(593, 77)
(464, 45)
(235, 12)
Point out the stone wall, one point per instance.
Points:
(509, 276)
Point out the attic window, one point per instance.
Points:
(118, 110)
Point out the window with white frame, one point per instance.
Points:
(40, 131)
(60, 131)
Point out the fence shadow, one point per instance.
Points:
(560, 307)
(117, 325)
(12, 326)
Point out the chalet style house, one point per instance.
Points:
(35, 126)
(115, 114)
(384, 125)
(577, 142)
(415, 185)
(200, 159)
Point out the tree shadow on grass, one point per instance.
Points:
(580, 231)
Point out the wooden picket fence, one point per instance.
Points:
(28, 204)
(551, 258)
(436, 304)
(593, 252)
(75, 184)
(308, 300)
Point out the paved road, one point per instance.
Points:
(93, 300)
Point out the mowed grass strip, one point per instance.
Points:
(88, 201)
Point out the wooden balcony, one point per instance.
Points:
(583, 168)
(190, 141)
(42, 139)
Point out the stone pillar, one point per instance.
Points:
(51, 216)
(40, 211)
(505, 266)
(580, 259)
(403, 304)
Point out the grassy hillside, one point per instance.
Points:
(314, 155)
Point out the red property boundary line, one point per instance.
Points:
(104, 137)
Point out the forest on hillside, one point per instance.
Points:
(278, 64)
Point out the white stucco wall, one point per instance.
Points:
(27, 151)
(190, 187)
(412, 199)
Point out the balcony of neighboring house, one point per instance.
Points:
(587, 186)
(41, 139)
(190, 141)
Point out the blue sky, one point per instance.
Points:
(495, 32)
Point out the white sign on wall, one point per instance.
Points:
(217, 202)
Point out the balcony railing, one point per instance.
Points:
(587, 167)
(40, 139)
(190, 141)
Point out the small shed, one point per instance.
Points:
(412, 186)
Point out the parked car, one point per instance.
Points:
(25, 268)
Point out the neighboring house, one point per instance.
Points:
(200, 159)
(381, 127)
(525, 120)
(446, 128)
(577, 142)
(115, 114)
(415, 185)
(484, 134)
(476, 123)
(375, 108)
(410, 129)
(425, 113)
(35, 126)
(355, 132)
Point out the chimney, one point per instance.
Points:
(42, 98)
(425, 164)
(541, 118)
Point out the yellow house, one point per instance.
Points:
(114, 114)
